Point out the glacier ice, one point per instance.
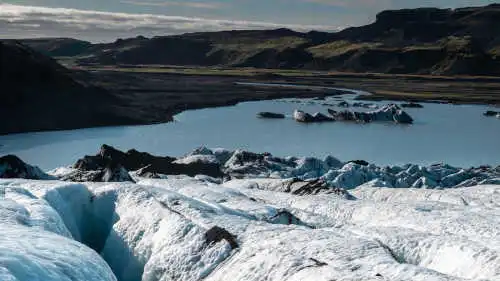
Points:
(156, 229)
(35, 243)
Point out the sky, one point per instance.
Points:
(107, 20)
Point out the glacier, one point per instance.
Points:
(199, 228)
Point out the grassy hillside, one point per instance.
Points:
(412, 41)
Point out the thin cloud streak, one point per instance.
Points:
(29, 21)
(198, 5)
(360, 4)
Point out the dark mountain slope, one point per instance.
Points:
(419, 41)
(39, 94)
(58, 47)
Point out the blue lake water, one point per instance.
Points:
(454, 134)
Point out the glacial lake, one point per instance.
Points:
(455, 134)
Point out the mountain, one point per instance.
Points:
(39, 94)
(418, 41)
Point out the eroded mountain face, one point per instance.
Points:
(422, 41)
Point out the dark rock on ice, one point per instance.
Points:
(12, 166)
(217, 234)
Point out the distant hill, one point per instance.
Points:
(411, 41)
(39, 94)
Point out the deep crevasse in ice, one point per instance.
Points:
(156, 230)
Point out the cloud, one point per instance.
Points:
(18, 21)
(359, 4)
(198, 5)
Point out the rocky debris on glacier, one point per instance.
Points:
(270, 115)
(309, 187)
(113, 172)
(337, 174)
(182, 228)
(310, 175)
(145, 163)
(13, 167)
(217, 234)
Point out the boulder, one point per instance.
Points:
(270, 115)
(217, 234)
(12, 166)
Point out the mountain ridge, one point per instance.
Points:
(463, 41)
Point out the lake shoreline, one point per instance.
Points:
(147, 96)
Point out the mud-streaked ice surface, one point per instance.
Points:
(458, 135)
(156, 230)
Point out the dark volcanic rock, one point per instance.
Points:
(131, 160)
(310, 187)
(270, 115)
(84, 176)
(217, 234)
(360, 162)
(13, 167)
(148, 164)
(112, 172)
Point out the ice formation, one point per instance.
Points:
(267, 218)
(184, 228)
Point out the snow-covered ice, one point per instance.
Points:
(158, 229)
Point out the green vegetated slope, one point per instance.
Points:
(412, 41)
